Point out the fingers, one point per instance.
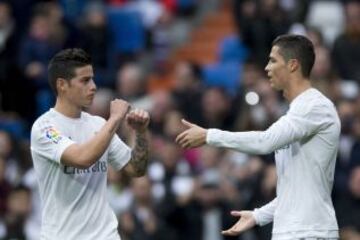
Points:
(229, 232)
(182, 140)
(187, 124)
(138, 120)
(138, 116)
(235, 230)
(236, 213)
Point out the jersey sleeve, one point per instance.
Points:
(49, 142)
(293, 126)
(119, 153)
(265, 214)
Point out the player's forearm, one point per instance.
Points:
(248, 142)
(86, 154)
(265, 214)
(140, 154)
(283, 132)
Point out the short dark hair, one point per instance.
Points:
(297, 47)
(63, 65)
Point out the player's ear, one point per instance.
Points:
(293, 65)
(61, 84)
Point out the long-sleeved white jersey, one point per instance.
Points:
(305, 141)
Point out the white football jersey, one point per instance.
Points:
(74, 200)
(305, 141)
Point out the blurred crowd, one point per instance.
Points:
(186, 194)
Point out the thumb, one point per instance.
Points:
(186, 123)
(236, 213)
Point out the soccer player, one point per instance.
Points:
(72, 150)
(305, 141)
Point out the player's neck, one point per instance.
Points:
(295, 88)
(68, 109)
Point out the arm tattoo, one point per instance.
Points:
(140, 154)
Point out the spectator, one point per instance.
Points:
(188, 90)
(96, 41)
(348, 208)
(140, 221)
(18, 209)
(346, 49)
(5, 187)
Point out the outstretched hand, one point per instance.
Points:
(245, 222)
(193, 136)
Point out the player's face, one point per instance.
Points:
(81, 88)
(277, 69)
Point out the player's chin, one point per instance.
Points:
(87, 103)
(275, 86)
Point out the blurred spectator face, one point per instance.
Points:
(129, 81)
(215, 103)
(96, 19)
(252, 73)
(210, 157)
(208, 193)
(54, 12)
(172, 124)
(315, 37)
(248, 8)
(268, 6)
(101, 103)
(268, 96)
(352, 10)
(322, 63)
(141, 188)
(5, 144)
(4, 14)
(165, 18)
(40, 28)
(170, 154)
(346, 111)
(19, 202)
(356, 126)
(2, 169)
(95, 15)
(354, 182)
(162, 103)
(184, 78)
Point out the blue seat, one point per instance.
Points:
(224, 75)
(232, 49)
(16, 128)
(44, 100)
(127, 29)
(182, 4)
(72, 9)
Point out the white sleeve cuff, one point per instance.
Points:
(64, 145)
(212, 135)
(261, 217)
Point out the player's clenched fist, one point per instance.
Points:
(138, 119)
(119, 108)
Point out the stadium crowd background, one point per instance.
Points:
(186, 194)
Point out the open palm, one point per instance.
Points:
(245, 222)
